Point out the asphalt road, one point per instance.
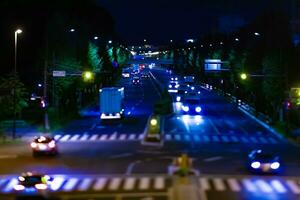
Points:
(218, 142)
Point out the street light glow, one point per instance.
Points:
(257, 34)
(243, 76)
(72, 30)
(87, 75)
(18, 31)
(96, 37)
(110, 41)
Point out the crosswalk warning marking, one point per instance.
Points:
(244, 139)
(293, 186)
(278, 186)
(75, 137)
(94, 137)
(144, 183)
(65, 138)
(197, 138)
(100, 183)
(113, 137)
(264, 186)
(253, 139)
(234, 185)
(129, 183)
(10, 185)
(84, 137)
(114, 183)
(141, 136)
(56, 137)
(187, 137)
(225, 138)
(215, 138)
(204, 184)
(168, 137)
(131, 136)
(103, 137)
(159, 183)
(206, 138)
(219, 184)
(70, 184)
(249, 185)
(122, 137)
(85, 184)
(234, 139)
(177, 137)
(57, 183)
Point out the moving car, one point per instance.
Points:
(262, 162)
(30, 182)
(136, 80)
(191, 106)
(145, 75)
(173, 87)
(44, 145)
(180, 95)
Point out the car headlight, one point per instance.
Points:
(176, 79)
(19, 187)
(172, 79)
(255, 165)
(33, 145)
(153, 122)
(178, 98)
(41, 186)
(185, 108)
(198, 109)
(199, 92)
(275, 165)
(176, 86)
(170, 86)
(51, 144)
(192, 88)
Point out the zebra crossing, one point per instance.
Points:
(66, 183)
(203, 138)
(251, 185)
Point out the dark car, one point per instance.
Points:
(44, 145)
(262, 162)
(136, 80)
(191, 106)
(145, 75)
(30, 182)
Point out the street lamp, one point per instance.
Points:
(72, 30)
(244, 76)
(96, 38)
(257, 34)
(18, 31)
(88, 76)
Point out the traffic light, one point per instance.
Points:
(244, 76)
(88, 76)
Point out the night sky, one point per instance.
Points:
(162, 20)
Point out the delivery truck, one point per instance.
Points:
(111, 103)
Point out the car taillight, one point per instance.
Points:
(33, 145)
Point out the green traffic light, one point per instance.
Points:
(243, 76)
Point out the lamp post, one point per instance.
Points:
(18, 31)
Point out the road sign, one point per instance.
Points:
(59, 73)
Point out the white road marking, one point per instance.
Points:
(94, 137)
(225, 138)
(123, 137)
(57, 182)
(129, 183)
(278, 186)
(84, 137)
(141, 136)
(168, 137)
(75, 137)
(253, 139)
(249, 185)
(244, 139)
(234, 185)
(56, 137)
(132, 136)
(215, 138)
(293, 186)
(264, 186)
(204, 184)
(177, 137)
(273, 140)
(114, 183)
(103, 137)
(113, 136)
(70, 184)
(206, 138)
(144, 183)
(159, 183)
(196, 138)
(187, 137)
(85, 184)
(234, 139)
(213, 159)
(100, 183)
(263, 140)
(219, 184)
(65, 138)
(10, 186)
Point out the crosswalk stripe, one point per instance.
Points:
(56, 137)
(75, 137)
(234, 139)
(57, 182)
(204, 184)
(103, 137)
(159, 183)
(215, 138)
(206, 138)
(100, 183)
(293, 186)
(253, 139)
(132, 136)
(263, 140)
(84, 137)
(168, 137)
(249, 185)
(114, 183)
(113, 137)
(141, 136)
(85, 184)
(10, 186)
(244, 139)
(129, 183)
(122, 137)
(187, 137)
(177, 137)
(70, 184)
(65, 138)
(196, 138)
(219, 184)
(263, 186)
(234, 185)
(278, 186)
(94, 137)
(144, 183)
(225, 138)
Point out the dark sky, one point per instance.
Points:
(162, 20)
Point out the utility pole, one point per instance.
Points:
(45, 96)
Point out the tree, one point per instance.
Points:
(94, 60)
